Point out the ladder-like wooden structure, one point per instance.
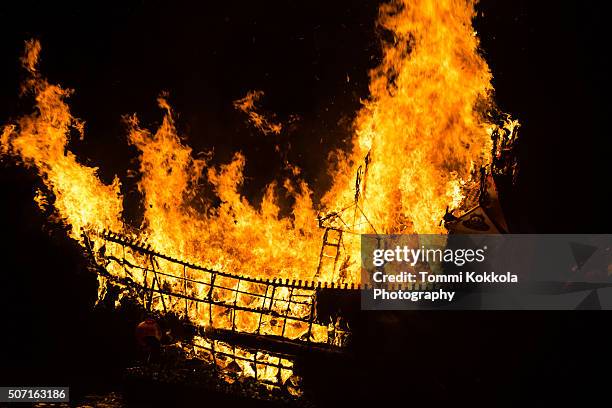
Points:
(330, 252)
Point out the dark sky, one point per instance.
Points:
(549, 61)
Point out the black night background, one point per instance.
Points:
(550, 66)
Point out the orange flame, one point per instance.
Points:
(247, 105)
(424, 130)
(40, 141)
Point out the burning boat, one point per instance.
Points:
(428, 146)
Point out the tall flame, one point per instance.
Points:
(418, 140)
(40, 140)
(422, 129)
